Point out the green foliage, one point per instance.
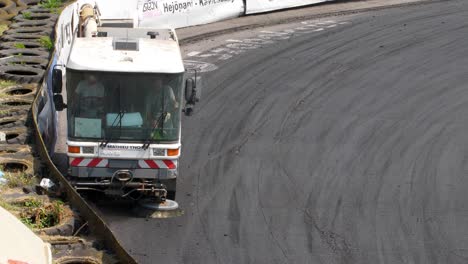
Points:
(14, 180)
(43, 216)
(32, 203)
(27, 15)
(46, 42)
(51, 4)
(19, 45)
(35, 213)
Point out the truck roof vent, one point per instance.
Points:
(125, 44)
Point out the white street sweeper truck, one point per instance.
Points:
(124, 90)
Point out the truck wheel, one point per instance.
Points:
(171, 189)
(171, 195)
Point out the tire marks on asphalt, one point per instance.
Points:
(207, 60)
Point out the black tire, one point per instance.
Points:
(20, 4)
(14, 151)
(19, 91)
(29, 2)
(21, 139)
(21, 74)
(24, 52)
(35, 62)
(66, 227)
(7, 5)
(171, 195)
(17, 9)
(14, 112)
(5, 17)
(78, 259)
(12, 164)
(29, 30)
(12, 122)
(33, 23)
(37, 17)
(171, 186)
(12, 101)
(31, 45)
(21, 37)
(37, 10)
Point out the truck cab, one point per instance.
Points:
(125, 92)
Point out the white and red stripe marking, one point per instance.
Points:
(157, 164)
(104, 163)
(90, 163)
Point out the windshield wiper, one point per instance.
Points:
(159, 124)
(106, 141)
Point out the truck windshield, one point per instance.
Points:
(123, 107)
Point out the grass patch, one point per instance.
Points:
(7, 83)
(51, 4)
(27, 15)
(4, 112)
(14, 180)
(27, 203)
(3, 28)
(7, 206)
(37, 215)
(46, 42)
(19, 45)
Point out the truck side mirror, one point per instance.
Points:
(57, 81)
(58, 102)
(190, 91)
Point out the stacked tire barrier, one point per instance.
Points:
(10, 8)
(23, 60)
(23, 52)
(16, 99)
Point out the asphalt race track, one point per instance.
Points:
(343, 146)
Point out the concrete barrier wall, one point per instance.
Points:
(259, 6)
(185, 13)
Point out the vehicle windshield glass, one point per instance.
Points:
(123, 107)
